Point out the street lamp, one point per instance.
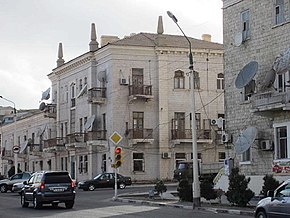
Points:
(14, 134)
(195, 182)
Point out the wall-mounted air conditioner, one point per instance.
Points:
(226, 138)
(266, 145)
(166, 155)
(124, 81)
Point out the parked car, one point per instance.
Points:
(105, 180)
(277, 204)
(6, 184)
(48, 187)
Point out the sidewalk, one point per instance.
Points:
(170, 200)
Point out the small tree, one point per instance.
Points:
(160, 187)
(206, 190)
(239, 194)
(270, 183)
(184, 190)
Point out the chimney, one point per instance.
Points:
(60, 60)
(160, 25)
(94, 45)
(108, 39)
(206, 37)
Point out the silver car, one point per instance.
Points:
(277, 204)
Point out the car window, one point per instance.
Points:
(105, 176)
(283, 191)
(38, 178)
(98, 176)
(56, 178)
(16, 176)
(26, 175)
(31, 179)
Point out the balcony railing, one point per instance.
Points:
(77, 137)
(270, 101)
(140, 134)
(187, 134)
(58, 142)
(50, 111)
(97, 95)
(7, 153)
(140, 91)
(96, 135)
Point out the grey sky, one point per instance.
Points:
(30, 31)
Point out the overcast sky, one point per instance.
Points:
(30, 31)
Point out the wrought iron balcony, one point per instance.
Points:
(50, 111)
(269, 101)
(54, 144)
(140, 91)
(97, 95)
(201, 134)
(7, 154)
(140, 135)
(96, 135)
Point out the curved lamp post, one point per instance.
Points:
(195, 182)
(14, 134)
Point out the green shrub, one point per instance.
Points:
(206, 190)
(239, 194)
(184, 190)
(160, 187)
(270, 183)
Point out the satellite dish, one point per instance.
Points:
(42, 106)
(238, 39)
(269, 78)
(46, 94)
(89, 122)
(23, 146)
(102, 76)
(245, 140)
(82, 91)
(246, 74)
(282, 62)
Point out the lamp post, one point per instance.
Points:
(195, 182)
(14, 135)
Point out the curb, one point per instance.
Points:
(209, 209)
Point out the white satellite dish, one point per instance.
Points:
(246, 75)
(46, 94)
(23, 146)
(238, 39)
(82, 91)
(269, 78)
(42, 106)
(89, 122)
(102, 76)
(245, 140)
(282, 62)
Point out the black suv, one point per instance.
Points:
(48, 188)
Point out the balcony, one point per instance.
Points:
(36, 150)
(97, 95)
(77, 139)
(97, 138)
(185, 135)
(54, 144)
(140, 92)
(50, 111)
(270, 101)
(140, 136)
(7, 154)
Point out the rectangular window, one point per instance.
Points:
(198, 120)
(281, 150)
(179, 79)
(179, 157)
(86, 166)
(222, 156)
(246, 156)
(279, 12)
(245, 22)
(138, 162)
(196, 84)
(81, 166)
(62, 163)
(220, 81)
(72, 120)
(81, 124)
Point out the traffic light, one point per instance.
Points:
(118, 157)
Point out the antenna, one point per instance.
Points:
(245, 140)
(89, 122)
(238, 39)
(246, 74)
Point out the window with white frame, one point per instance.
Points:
(282, 145)
(281, 81)
(83, 164)
(178, 158)
(220, 81)
(138, 162)
(278, 12)
(179, 79)
(245, 24)
(246, 156)
(222, 156)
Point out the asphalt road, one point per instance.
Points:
(98, 204)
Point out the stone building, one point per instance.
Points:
(256, 43)
(138, 87)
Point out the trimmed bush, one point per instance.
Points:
(270, 183)
(184, 190)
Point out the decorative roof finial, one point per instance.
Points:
(60, 60)
(94, 45)
(160, 25)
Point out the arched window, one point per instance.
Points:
(220, 81)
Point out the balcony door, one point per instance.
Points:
(179, 125)
(138, 125)
(137, 80)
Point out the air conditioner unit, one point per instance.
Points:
(166, 155)
(123, 81)
(226, 138)
(266, 145)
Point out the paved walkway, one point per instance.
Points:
(170, 200)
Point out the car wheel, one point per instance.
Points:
(91, 187)
(69, 204)
(261, 214)
(122, 185)
(24, 203)
(36, 203)
(3, 188)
